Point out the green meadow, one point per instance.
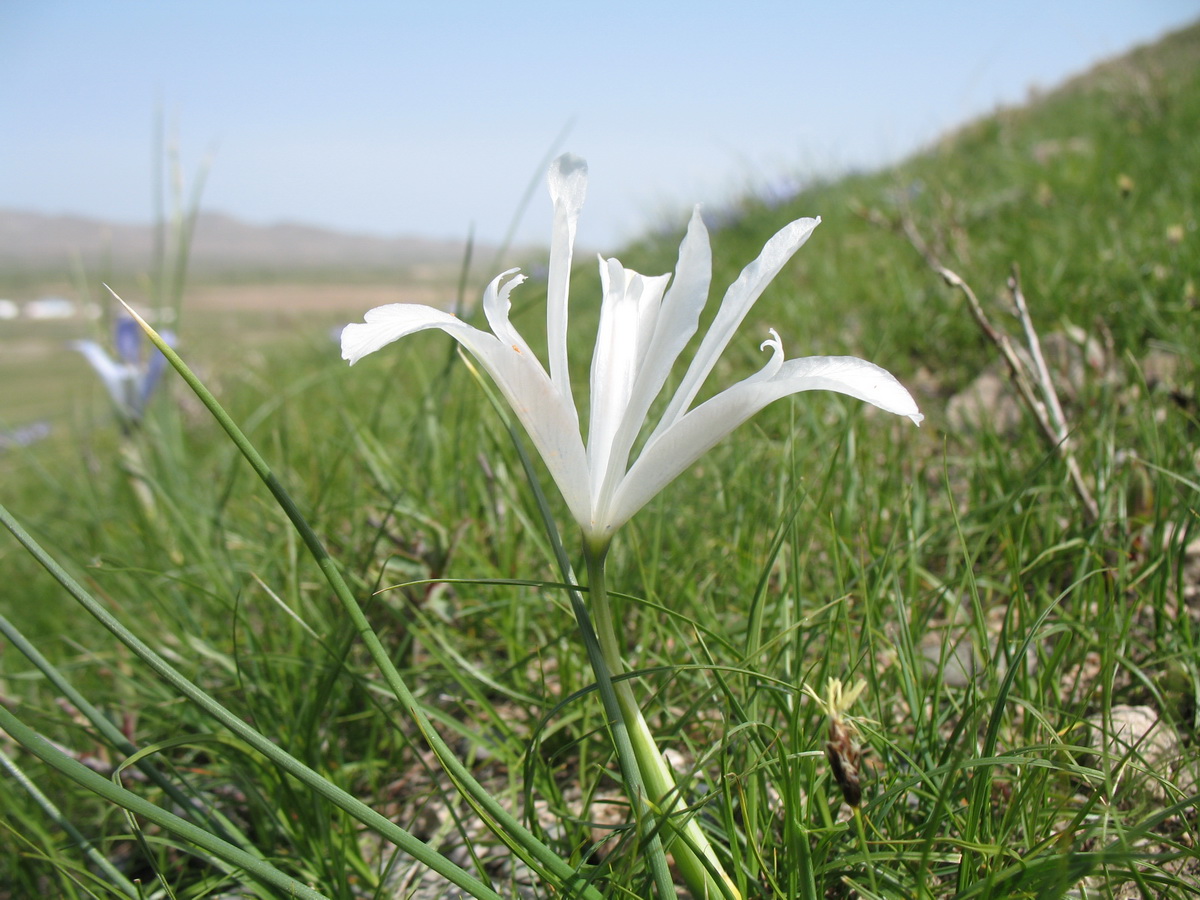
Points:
(1022, 609)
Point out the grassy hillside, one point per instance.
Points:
(1014, 647)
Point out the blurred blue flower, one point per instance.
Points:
(24, 435)
(130, 378)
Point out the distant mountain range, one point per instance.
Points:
(34, 242)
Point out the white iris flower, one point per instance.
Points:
(644, 326)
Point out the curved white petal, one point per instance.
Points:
(667, 455)
(568, 188)
(496, 307)
(547, 416)
(385, 324)
(852, 376)
(737, 302)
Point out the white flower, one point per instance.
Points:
(130, 379)
(644, 326)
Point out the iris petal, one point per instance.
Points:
(738, 300)
(677, 320)
(568, 188)
(675, 448)
(547, 416)
(628, 315)
(127, 336)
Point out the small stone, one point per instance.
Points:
(950, 654)
(985, 403)
(1140, 752)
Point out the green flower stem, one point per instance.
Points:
(640, 796)
(630, 771)
(626, 725)
(502, 823)
(411, 845)
(694, 856)
(861, 831)
(261, 870)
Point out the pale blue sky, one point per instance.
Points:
(395, 117)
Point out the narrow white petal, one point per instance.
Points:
(568, 187)
(676, 322)
(614, 362)
(737, 302)
(681, 307)
(628, 313)
(673, 450)
(547, 416)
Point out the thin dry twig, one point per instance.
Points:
(1047, 411)
(1055, 426)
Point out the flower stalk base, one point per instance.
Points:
(694, 856)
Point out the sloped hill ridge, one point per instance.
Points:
(1090, 188)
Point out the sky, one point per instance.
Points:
(406, 118)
